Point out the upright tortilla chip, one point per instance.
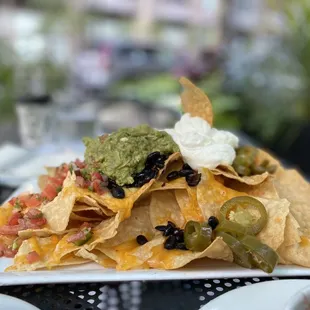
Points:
(195, 101)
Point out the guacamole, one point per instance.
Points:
(124, 152)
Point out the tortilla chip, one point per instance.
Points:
(230, 173)
(97, 257)
(266, 189)
(45, 248)
(63, 248)
(165, 259)
(90, 202)
(291, 185)
(195, 101)
(164, 207)
(57, 212)
(273, 233)
(212, 194)
(298, 254)
(85, 207)
(291, 233)
(130, 255)
(42, 232)
(76, 217)
(107, 229)
(5, 212)
(187, 201)
(138, 223)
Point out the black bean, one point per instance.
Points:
(111, 184)
(149, 175)
(187, 167)
(181, 246)
(141, 239)
(152, 159)
(170, 243)
(184, 173)
(160, 165)
(161, 228)
(193, 179)
(173, 175)
(213, 222)
(179, 234)
(171, 224)
(118, 192)
(168, 231)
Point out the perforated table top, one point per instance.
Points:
(172, 295)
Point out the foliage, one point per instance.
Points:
(225, 106)
(272, 77)
(153, 88)
(6, 81)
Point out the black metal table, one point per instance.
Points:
(172, 295)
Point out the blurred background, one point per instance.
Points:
(85, 67)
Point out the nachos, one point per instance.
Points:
(145, 198)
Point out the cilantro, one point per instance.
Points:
(85, 174)
(58, 189)
(90, 188)
(17, 205)
(71, 168)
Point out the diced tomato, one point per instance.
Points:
(13, 201)
(33, 201)
(99, 187)
(76, 237)
(13, 220)
(34, 213)
(12, 230)
(50, 192)
(5, 251)
(33, 257)
(36, 223)
(57, 181)
(9, 253)
(86, 225)
(96, 176)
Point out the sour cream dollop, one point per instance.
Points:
(203, 146)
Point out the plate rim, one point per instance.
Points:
(213, 304)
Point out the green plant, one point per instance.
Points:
(274, 86)
(225, 106)
(6, 81)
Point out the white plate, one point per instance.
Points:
(12, 303)
(270, 295)
(201, 269)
